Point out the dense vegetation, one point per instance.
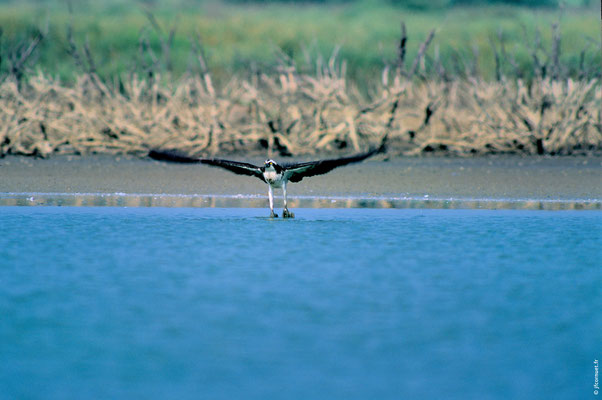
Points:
(215, 78)
(241, 38)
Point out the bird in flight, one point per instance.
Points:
(274, 174)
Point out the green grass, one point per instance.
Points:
(235, 37)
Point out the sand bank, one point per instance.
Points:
(405, 182)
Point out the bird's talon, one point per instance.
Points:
(287, 214)
(273, 215)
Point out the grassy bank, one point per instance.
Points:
(238, 38)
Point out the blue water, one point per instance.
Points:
(155, 303)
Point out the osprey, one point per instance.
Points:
(274, 174)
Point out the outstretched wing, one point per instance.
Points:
(236, 167)
(296, 172)
(232, 166)
(172, 156)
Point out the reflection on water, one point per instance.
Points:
(211, 201)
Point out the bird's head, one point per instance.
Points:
(270, 164)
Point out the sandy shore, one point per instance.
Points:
(491, 179)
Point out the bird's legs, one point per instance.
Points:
(271, 196)
(286, 213)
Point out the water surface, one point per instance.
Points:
(216, 303)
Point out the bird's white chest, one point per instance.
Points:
(273, 178)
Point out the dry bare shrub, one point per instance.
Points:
(288, 112)
(293, 114)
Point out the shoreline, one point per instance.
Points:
(484, 182)
(296, 202)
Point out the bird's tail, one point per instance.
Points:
(172, 156)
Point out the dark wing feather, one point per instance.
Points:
(236, 167)
(232, 166)
(296, 172)
(172, 156)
